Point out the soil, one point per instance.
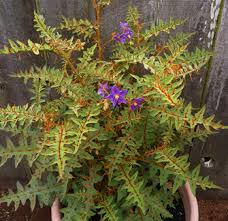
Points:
(213, 210)
(210, 210)
(24, 213)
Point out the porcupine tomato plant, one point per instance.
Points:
(111, 143)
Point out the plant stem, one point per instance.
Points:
(98, 29)
(141, 213)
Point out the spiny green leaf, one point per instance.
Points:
(18, 46)
(32, 190)
(162, 26)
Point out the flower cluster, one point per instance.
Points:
(117, 96)
(126, 33)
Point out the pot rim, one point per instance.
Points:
(189, 200)
(190, 203)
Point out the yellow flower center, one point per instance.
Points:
(117, 96)
(135, 104)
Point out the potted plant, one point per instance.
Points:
(110, 145)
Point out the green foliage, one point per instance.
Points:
(11, 116)
(80, 27)
(119, 157)
(157, 210)
(183, 117)
(18, 46)
(104, 2)
(108, 210)
(45, 31)
(30, 152)
(33, 190)
(162, 26)
(132, 16)
(80, 204)
(179, 167)
(132, 186)
(46, 76)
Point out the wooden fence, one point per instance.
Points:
(207, 18)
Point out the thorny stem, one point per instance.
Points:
(98, 29)
(68, 61)
(145, 131)
(147, 154)
(141, 213)
(61, 131)
(70, 64)
(138, 33)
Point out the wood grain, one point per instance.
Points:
(16, 22)
(216, 146)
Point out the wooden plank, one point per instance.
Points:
(205, 14)
(53, 10)
(216, 146)
(16, 22)
(198, 20)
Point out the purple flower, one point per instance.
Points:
(129, 34)
(116, 96)
(126, 33)
(123, 37)
(120, 38)
(137, 103)
(103, 89)
(124, 26)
